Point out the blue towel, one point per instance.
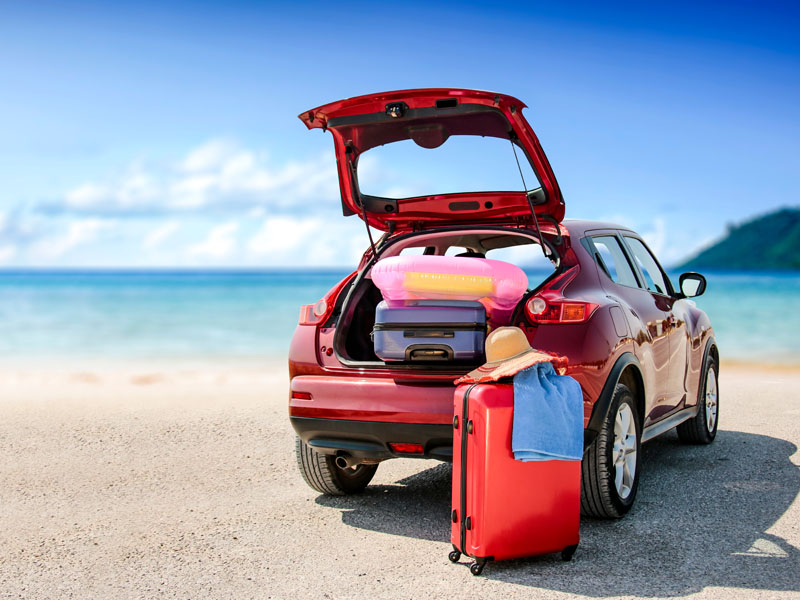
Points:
(548, 415)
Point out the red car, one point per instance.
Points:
(644, 355)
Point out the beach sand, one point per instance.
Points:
(179, 481)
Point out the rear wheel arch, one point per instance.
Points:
(709, 350)
(712, 349)
(631, 376)
(628, 371)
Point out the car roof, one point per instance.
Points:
(578, 227)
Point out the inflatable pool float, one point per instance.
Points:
(498, 285)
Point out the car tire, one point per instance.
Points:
(702, 428)
(610, 467)
(322, 474)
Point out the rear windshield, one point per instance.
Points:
(463, 163)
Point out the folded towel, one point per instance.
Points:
(548, 415)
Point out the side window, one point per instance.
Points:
(648, 265)
(612, 260)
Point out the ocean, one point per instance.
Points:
(162, 315)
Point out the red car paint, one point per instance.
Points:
(351, 139)
(655, 343)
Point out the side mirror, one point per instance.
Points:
(692, 284)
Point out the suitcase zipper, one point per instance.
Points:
(467, 429)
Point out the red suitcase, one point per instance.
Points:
(504, 508)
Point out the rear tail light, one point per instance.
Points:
(314, 314)
(561, 312)
(550, 306)
(403, 448)
(301, 395)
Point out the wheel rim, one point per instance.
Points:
(624, 454)
(711, 400)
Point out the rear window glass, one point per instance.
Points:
(613, 261)
(464, 163)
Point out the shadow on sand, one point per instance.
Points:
(701, 519)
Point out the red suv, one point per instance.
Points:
(644, 355)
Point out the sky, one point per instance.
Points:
(166, 134)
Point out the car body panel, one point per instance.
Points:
(349, 397)
(358, 124)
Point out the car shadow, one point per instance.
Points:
(701, 519)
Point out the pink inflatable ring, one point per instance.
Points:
(498, 285)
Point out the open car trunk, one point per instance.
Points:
(353, 339)
(428, 118)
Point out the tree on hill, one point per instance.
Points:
(768, 242)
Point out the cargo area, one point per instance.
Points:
(353, 341)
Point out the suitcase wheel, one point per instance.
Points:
(476, 568)
(454, 556)
(566, 553)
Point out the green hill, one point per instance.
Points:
(768, 242)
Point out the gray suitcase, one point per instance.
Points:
(430, 330)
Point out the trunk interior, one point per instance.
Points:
(353, 340)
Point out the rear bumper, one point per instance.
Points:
(381, 399)
(370, 439)
(360, 416)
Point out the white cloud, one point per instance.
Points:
(284, 234)
(7, 252)
(297, 241)
(86, 196)
(656, 238)
(208, 155)
(158, 235)
(218, 175)
(220, 243)
(79, 232)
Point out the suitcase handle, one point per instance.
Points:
(435, 352)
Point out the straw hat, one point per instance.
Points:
(507, 353)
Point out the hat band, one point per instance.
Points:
(500, 361)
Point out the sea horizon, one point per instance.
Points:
(250, 313)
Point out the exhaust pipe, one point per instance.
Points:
(345, 461)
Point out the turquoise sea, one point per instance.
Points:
(157, 315)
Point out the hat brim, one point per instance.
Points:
(509, 367)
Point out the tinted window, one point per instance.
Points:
(612, 260)
(648, 265)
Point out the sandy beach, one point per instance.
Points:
(179, 481)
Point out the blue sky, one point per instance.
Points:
(165, 134)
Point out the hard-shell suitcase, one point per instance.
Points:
(430, 330)
(503, 508)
